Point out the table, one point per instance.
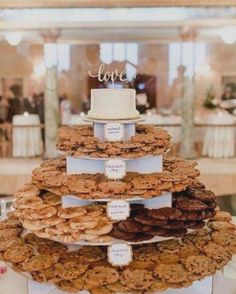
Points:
(27, 136)
(219, 139)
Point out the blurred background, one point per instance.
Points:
(180, 60)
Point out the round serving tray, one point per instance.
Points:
(84, 202)
(104, 121)
(89, 243)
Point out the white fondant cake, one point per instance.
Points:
(113, 104)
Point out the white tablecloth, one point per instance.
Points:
(27, 141)
(219, 141)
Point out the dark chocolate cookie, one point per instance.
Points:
(176, 233)
(157, 231)
(173, 225)
(195, 225)
(143, 218)
(165, 213)
(131, 226)
(203, 195)
(116, 233)
(136, 207)
(190, 204)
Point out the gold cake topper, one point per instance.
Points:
(105, 76)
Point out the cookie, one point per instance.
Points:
(224, 238)
(100, 276)
(103, 227)
(91, 254)
(136, 279)
(168, 258)
(221, 225)
(94, 211)
(199, 265)
(70, 212)
(38, 262)
(18, 253)
(222, 216)
(42, 212)
(173, 225)
(52, 249)
(166, 213)
(202, 195)
(131, 226)
(84, 222)
(190, 205)
(9, 223)
(216, 252)
(171, 273)
(10, 232)
(7, 242)
(67, 286)
(143, 218)
(170, 246)
(194, 225)
(187, 250)
(69, 270)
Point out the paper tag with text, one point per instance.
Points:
(120, 254)
(118, 209)
(114, 131)
(115, 169)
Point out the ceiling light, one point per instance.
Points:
(13, 38)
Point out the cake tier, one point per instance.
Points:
(79, 141)
(43, 214)
(113, 104)
(176, 176)
(168, 264)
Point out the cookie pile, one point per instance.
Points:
(156, 267)
(177, 175)
(41, 212)
(44, 215)
(190, 210)
(79, 141)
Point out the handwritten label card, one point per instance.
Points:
(115, 169)
(118, 209)
(114, 131)
(120, 254)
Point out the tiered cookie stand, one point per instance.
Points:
(117, 215)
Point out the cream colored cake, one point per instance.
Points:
(113, 104)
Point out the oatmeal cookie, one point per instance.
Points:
(18, 253)
(69, 270)
(199, 265)
(100, 276)
(38, 263)
(136, 279)
(171, 273)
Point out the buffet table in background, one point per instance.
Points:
(27, 136)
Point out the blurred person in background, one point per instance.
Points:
(4, 109)
(15, 101)
(229, 92)
(30, 104)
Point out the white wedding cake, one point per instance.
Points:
(112, 104)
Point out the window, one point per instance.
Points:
(57, 55)
(121, 52)
(189, 54)
(110, 52)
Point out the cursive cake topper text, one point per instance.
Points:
(105, 76)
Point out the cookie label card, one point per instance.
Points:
(120, 254)
(118, 209)
(115, 169)
(114, 131)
